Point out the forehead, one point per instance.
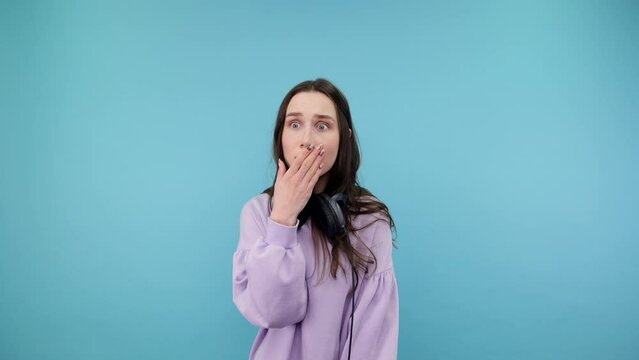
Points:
(309, 103)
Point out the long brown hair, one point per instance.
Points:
(342, 177)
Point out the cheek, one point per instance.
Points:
(331, 155)
(288, 145)
(286, 141)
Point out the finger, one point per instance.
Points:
(306, 165)
(281, 169)
(299, 159)
(319, 159)
(315, 178)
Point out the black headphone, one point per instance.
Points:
(328, 213)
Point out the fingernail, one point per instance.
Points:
(321, 152)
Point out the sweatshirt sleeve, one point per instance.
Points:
(269, 281)
(376, 317)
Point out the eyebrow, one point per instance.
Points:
(321, 116)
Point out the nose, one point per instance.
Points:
(307, 138)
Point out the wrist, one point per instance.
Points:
(282, 219)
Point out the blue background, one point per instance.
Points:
(502, 135)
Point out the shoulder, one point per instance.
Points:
(253, 220)
(371, 226)
(256, 210)
(374, 237)
(257, 205)
(363, 220)
(374, 228)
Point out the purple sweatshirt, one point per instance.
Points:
(276, 289)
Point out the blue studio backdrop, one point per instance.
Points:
(503, 136)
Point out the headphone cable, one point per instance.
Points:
(350, 343)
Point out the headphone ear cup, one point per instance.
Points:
(326, 219)
(332, 214)
(338, 201)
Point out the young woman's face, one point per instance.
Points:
(311, 119)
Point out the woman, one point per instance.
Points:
(317, 215)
